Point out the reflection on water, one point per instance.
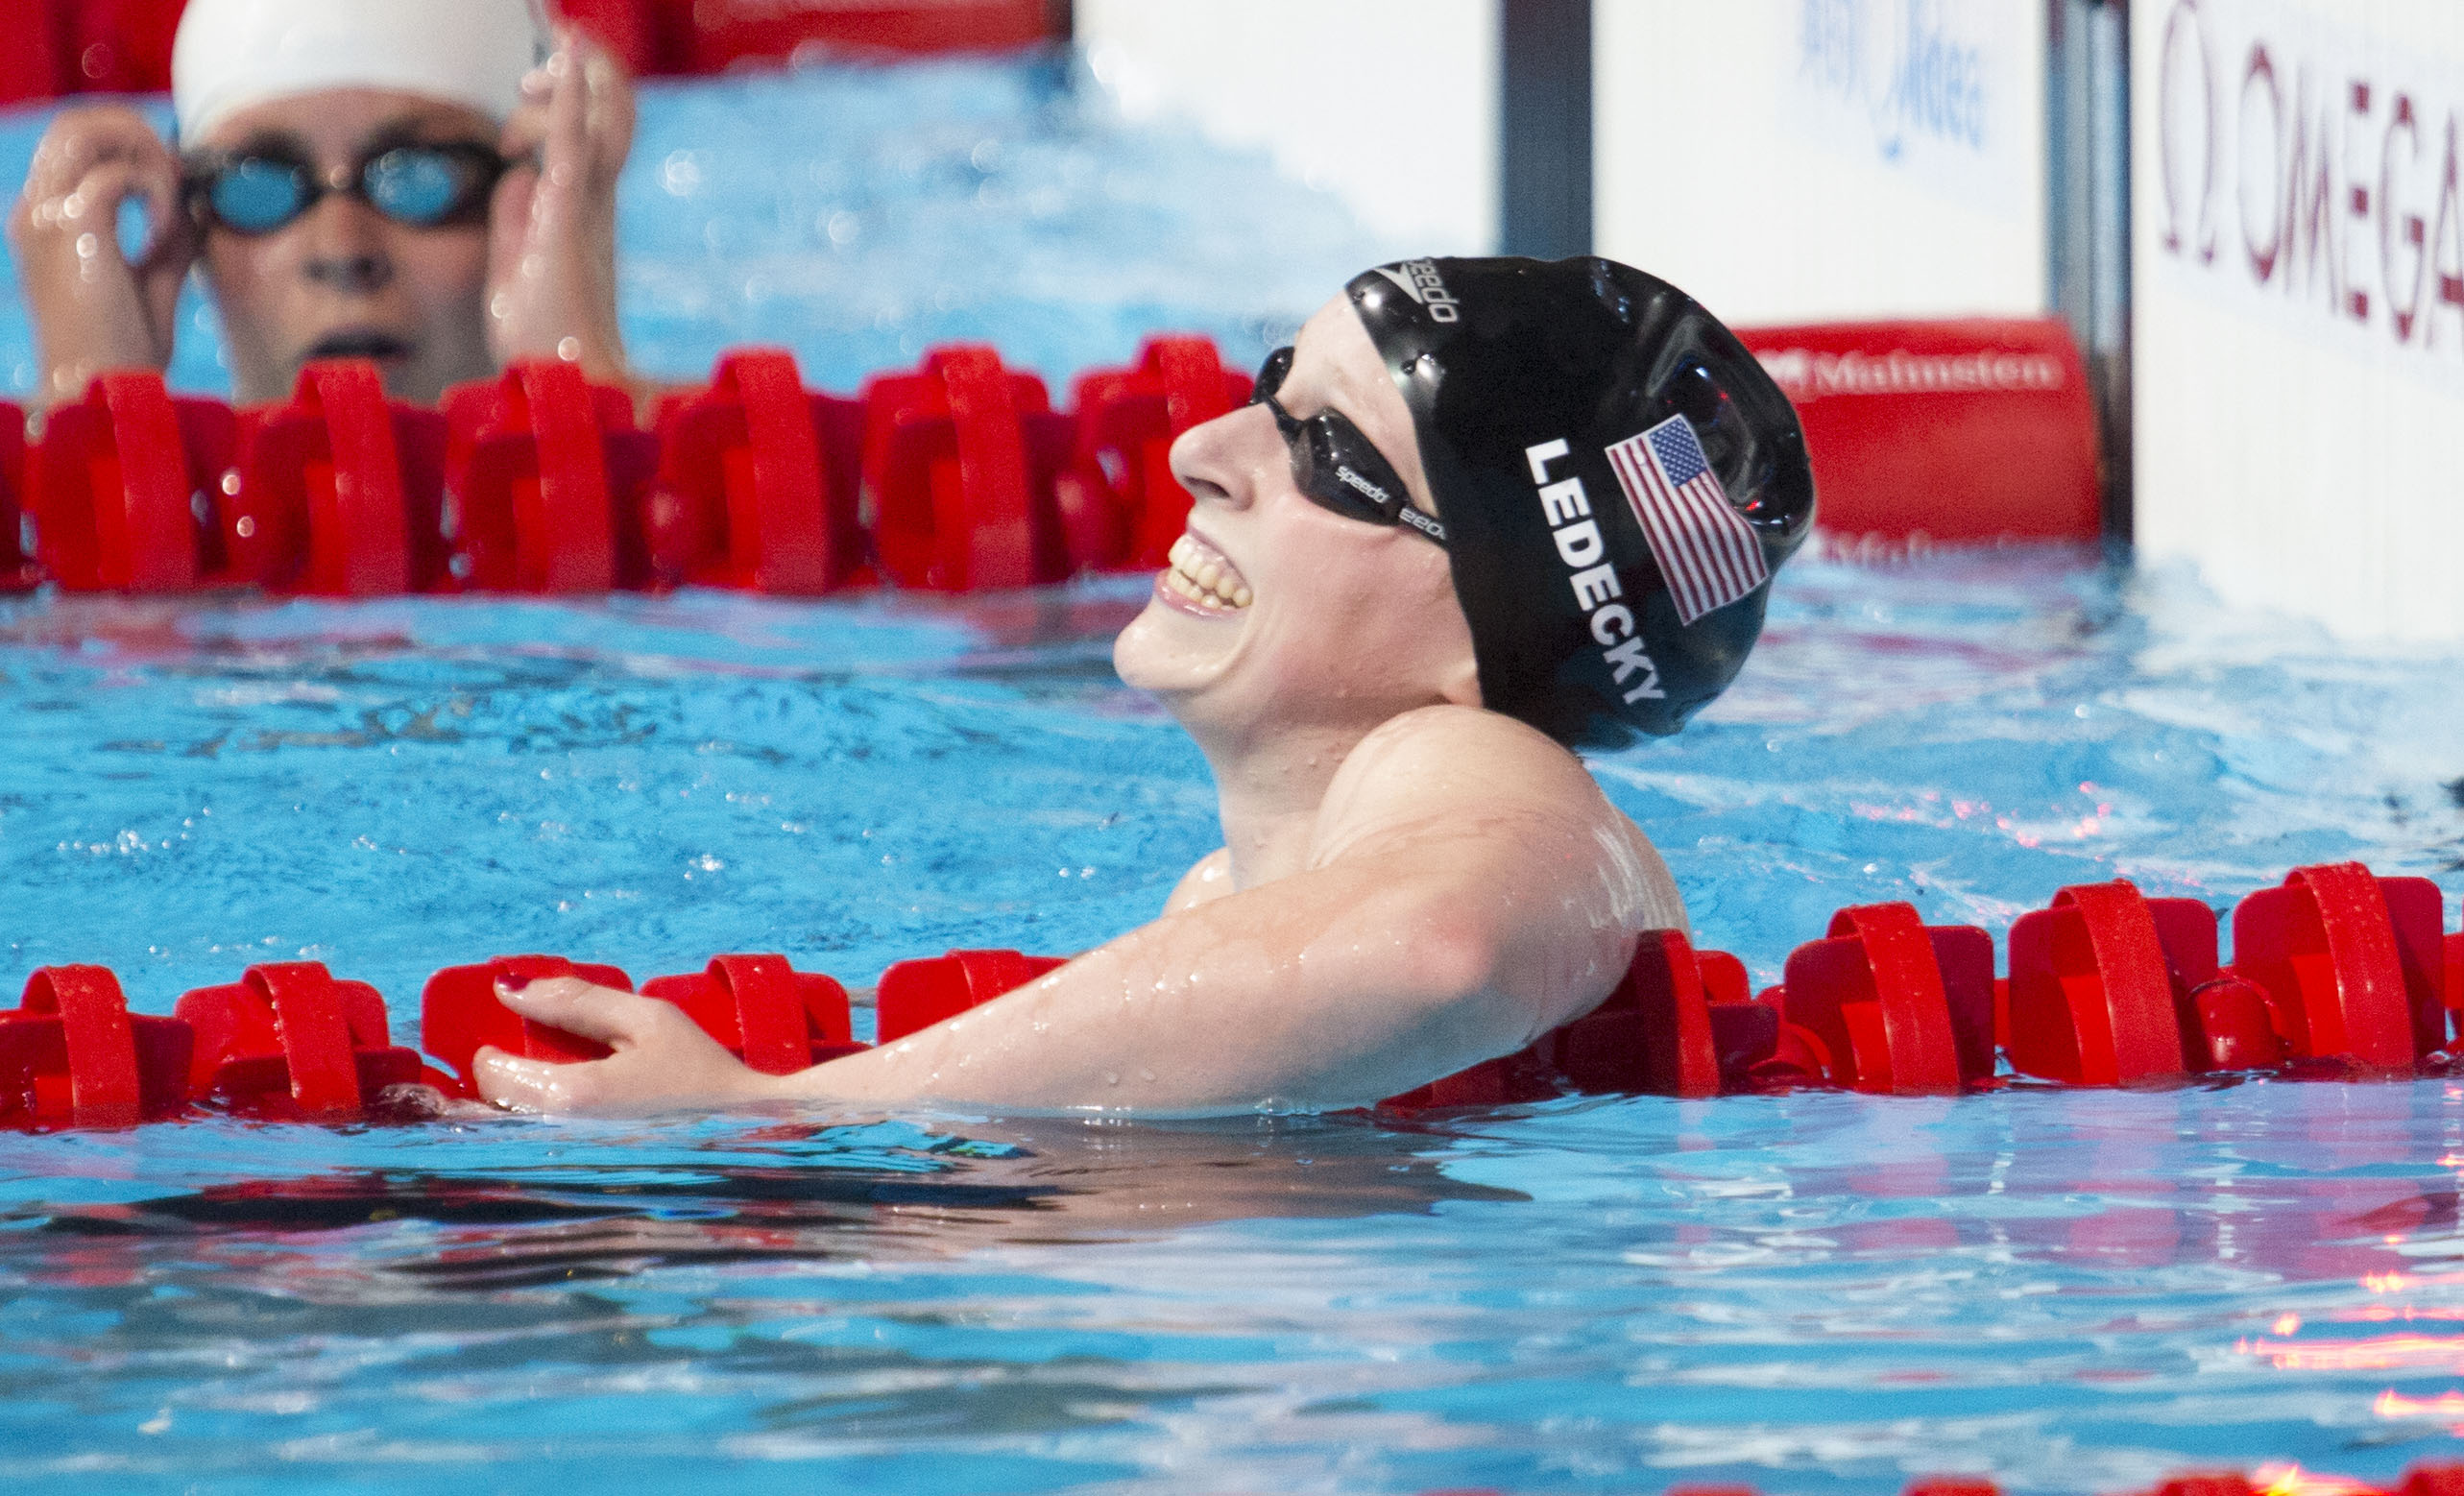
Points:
(788, 1192)
(2068, 1290)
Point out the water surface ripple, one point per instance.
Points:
(1817, 1293)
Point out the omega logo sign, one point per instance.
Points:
(2294, 165)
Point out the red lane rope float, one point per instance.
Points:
(72, 1054)
(2339, 972)
(757, 483)
(961, 460)
(459, 1013)
(340, 493)
(549, 476)
(1130, 508)
(918, 993)
(17, 568)
(1681, 1022)
(1893, 1005)
(774, 1018)
(2351, 963)
(2454, 983)
(288, 1040)
(119, 484)
(2094, 982)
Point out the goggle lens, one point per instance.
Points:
(422, 188)
(1336, 466)
(258, 194)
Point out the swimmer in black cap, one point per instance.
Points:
(1484, 510)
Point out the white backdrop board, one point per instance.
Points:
(2299, 258)
(1801, 160)
(1393, 105)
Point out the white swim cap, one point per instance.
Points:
(230, 54)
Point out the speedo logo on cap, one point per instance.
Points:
(1584, 551)
(1418, 280)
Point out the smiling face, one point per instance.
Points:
(342, 280)
(1277, 613)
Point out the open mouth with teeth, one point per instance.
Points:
(1201, 579)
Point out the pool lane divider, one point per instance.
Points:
(759, 484)
(2339, 974)
(289, 1041)
(957, 475)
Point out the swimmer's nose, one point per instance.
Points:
(357, 274)
(346, 250)
(1212, 460)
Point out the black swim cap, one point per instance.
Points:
(1618, 478)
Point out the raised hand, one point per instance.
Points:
(663, 1060)
(551, 262)
(93, 309)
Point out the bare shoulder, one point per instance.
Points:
(1449, 758)
(1208, 880)
(1456, 785)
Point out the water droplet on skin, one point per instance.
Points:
(1112, 1078)
(1145, 1075)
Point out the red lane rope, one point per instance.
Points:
(957, 475)
(2341, 974)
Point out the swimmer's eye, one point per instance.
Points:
(422, 187)
(1334, 465)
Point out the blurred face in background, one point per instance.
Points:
(343, 280)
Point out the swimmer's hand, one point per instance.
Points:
(95, 309)
(663, 1060)
(551, 250)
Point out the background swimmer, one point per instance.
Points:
(1421, 527)
(428, 183)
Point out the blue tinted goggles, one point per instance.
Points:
(422, 186)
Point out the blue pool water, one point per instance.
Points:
(2071, 1292)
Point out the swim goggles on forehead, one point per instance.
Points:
(1334, 466)
(422, 186)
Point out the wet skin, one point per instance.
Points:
(1409, 885)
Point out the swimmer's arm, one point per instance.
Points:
(1475, 890)
(93, 310)
(1209, 880)
(551, 251)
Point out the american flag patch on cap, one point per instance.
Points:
(1706, 551)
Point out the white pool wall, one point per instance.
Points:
(2299, 396)
(1769, 157)
(1390, 103)
(1757, 152)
